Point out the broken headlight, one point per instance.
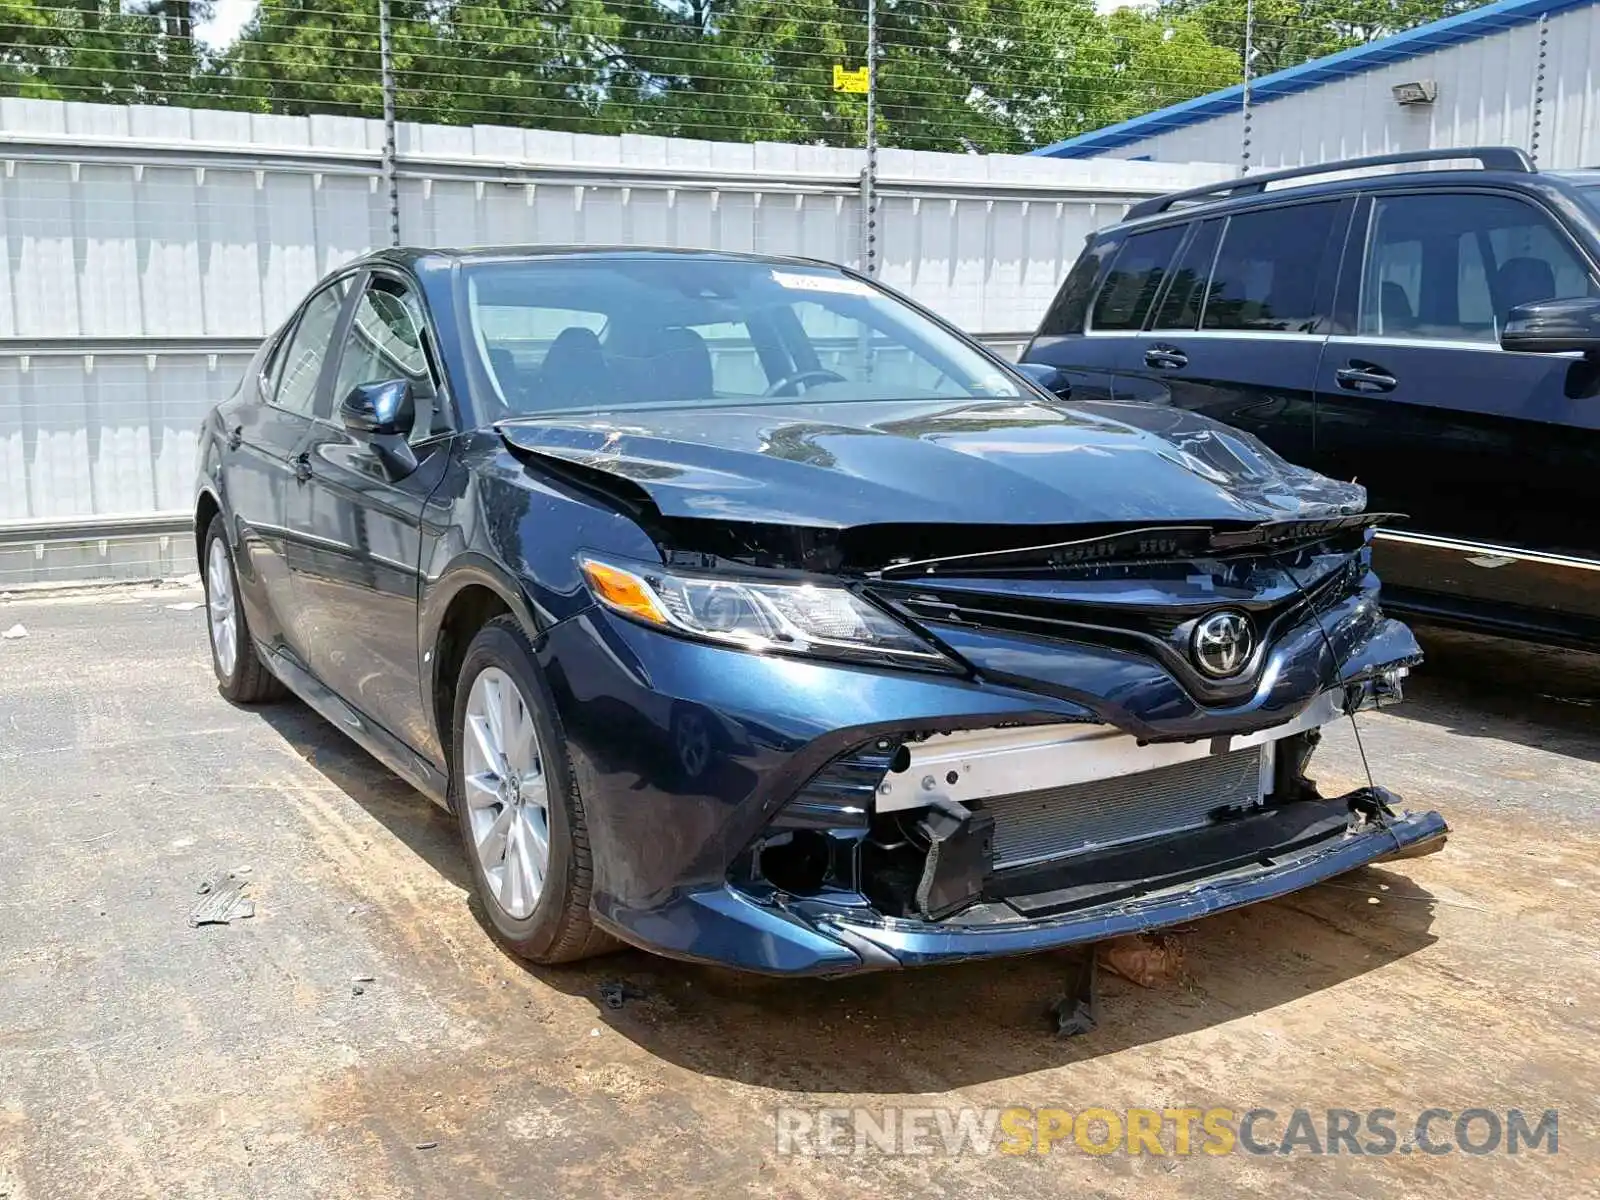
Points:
(786, 618)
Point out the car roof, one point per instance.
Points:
(423, 257)
(1216, 201)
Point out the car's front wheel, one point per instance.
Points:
(520, 814)
(241, 675)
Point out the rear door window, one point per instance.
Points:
(1180, 309)
(1266, 274)
(298, 365)
(1135, 278)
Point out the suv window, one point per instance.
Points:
(1135, 277)
(1266, 274)
(1450, 266)
(298, 365)
(1070, 309)
(1186, 295)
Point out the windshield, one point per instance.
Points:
(632, 331)
(1590, 194)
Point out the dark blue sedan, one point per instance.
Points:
(743, 611)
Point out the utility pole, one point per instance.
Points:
(1538, 87)
(1249, 64)
(391, 175)
(869, 179)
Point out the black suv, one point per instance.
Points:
(1432, 333)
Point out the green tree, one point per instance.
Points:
(1055, 69)
(298, 57)
(986, 75)
(25, 31)
(517, 62)
(1290, 32)
(1164, 60)
(99, 50)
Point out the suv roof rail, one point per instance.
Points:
(1492, 158)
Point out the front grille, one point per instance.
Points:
(1075, 619)
(1042, 618)
(1034, 827)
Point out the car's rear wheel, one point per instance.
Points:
(520, 814)
(241, 674)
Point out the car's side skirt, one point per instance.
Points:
(428, 778)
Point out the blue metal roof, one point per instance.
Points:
(1413, 43)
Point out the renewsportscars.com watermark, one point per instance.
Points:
(1162, 1131)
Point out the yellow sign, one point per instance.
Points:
(849, 81)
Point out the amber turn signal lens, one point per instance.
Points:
(623, 591)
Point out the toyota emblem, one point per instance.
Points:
(1223, 644)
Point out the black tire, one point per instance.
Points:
(560, 928)
(249, 681)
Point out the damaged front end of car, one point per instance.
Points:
(931, 845)
(1095, 729)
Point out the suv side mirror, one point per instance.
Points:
(1554, 327)
(1051, 379)
(379, 409)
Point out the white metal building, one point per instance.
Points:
(1519, 72)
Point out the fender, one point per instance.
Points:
(470, 570)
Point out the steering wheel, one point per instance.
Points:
(784, 386)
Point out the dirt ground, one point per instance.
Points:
(142, 1057)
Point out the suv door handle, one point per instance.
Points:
(1165, 358)
(302, 466)
(1365, 377)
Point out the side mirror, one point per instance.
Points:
(381, 415)
(1051, 379)
(379, 409)
(1554, 327)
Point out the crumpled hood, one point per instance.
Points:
(1013, 462)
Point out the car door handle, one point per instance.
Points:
(302, 466)
(1165, 358)
(235, 437)
(1365, 377)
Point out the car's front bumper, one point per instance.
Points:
(727, 926)
(684, 753)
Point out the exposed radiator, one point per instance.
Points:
(1034, 827)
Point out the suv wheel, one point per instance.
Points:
(520, 814)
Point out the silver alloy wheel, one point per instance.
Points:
(221, 615)
(506, 791)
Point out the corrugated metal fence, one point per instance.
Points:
(148, 249)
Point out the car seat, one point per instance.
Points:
(574, 370)
(1394, 309)
(1523, 281)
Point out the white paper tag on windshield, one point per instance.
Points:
(839, 285)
